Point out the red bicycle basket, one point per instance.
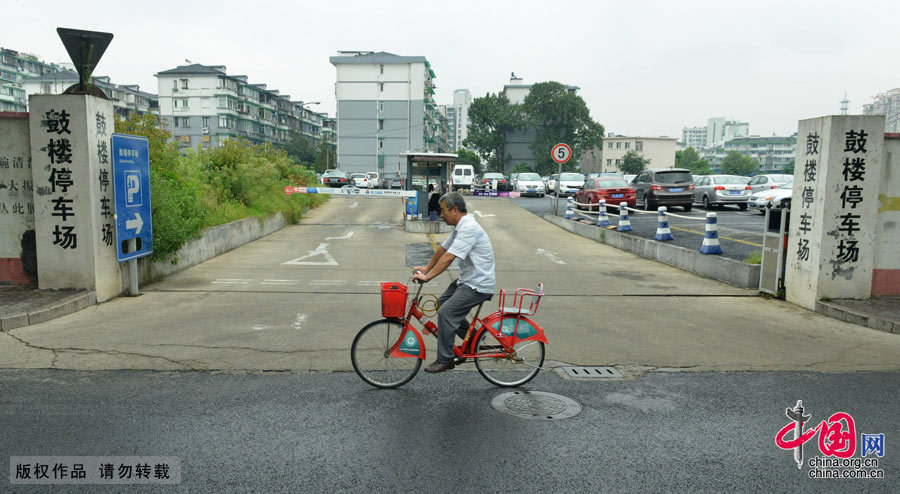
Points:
(393, 300)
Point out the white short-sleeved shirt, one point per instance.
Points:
(471, 245)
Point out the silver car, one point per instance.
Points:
(764, 182)
(718, 190)
(778, 198)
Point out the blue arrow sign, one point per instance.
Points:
(131, 180)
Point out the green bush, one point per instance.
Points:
(754, 257)
(192, 190)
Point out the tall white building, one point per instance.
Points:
(694, 137)
(719, 131)
(385, 106)
(458, 118)
(887, 104)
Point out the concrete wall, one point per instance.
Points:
(886, 272)
(18, 259)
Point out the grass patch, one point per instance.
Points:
(754, 257)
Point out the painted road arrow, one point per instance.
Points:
(137, 222)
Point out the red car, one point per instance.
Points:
(612, 190)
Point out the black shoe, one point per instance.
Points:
(436, 367)
(458, 360)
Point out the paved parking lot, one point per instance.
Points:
(740, 232)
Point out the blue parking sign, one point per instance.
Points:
(131, 180)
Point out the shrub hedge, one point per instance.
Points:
(195, 189)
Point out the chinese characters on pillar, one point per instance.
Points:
(850, 192)
(15, 192)
(59, 154)
(808, 193)
(106, 212)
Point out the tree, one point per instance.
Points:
(633, 163)
(301, 150)
(686, 158)
(789, 168)
(701, 167)
(521, 168)
(736, 163)
(559, 115)
(493, 117)
(466, 157)
(325, 157)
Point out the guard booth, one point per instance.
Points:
(423, 169)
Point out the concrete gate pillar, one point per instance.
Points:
(834, 208)
(73, 193)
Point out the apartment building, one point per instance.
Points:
(202, 105)
(693, 137)
(609, 156)
(773, 153)
(887, 104)
(15, 69)
(126, 99)
(458, 118)
(385, 106)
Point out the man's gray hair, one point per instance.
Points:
(454, 200)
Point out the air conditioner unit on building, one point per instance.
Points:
(174, 89)
(205, 130)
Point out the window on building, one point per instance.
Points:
(175, 84)
(618, 162)
(380, 144)
(184, 84)
(608, 145)
(206, 121)
(381, 86)
(627, 145)
(184, 102)
(380, 106)
(639, 146)
(381, 68)
(381, 125)
(618, 145)
(609, 162)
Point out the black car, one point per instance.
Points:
(672, 187)
(336, 179)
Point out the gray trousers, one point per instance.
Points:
(456, 302)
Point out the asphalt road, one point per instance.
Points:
(740, 232)
(311, 433)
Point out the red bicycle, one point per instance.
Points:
(506, 346)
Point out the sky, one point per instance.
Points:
(645, 68)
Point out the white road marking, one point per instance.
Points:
(348, 235)
(321, 250)
(231, 281)
(354, 204)
(270, 282)
(550, 255)
(480, 214)
(327, 282)
(260, 327)
(299, 322)
(365, 283)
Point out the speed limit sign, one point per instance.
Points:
(561, 153)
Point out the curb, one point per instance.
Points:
(737, 273)
(848, 315)
(72, 304)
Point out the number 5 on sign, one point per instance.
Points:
(561, 153)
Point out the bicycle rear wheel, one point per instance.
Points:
(372, 361)
(513, 369)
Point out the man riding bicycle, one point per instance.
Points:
(470, 244)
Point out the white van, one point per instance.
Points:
(463, 176)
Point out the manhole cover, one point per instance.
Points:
(583, 372)
(536, 405)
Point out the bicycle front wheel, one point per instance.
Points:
(513, 368)
(372, 359)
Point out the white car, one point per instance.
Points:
(569, 183)
(778, 198)
(374, 180)
(761, 183)
(359, 180)
(530, 184)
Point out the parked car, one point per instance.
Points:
(488, 180)
(530, 184)
(512, 180)
(718, 190)
(628, 178)
(551, 183)
(698, 178)
(374, 181)
(611, 190)
(463, 176)
(335, 178)
(359, 180)
(569, 183)
(778, 198)
(396, 183)
(669, 187)
(762, 182)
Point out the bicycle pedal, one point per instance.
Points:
(458, 360)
